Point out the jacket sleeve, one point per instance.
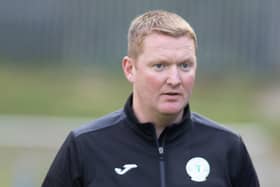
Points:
(65, 169)
(243, 174)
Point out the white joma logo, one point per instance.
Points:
(125, 169)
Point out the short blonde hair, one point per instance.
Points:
(156, 21)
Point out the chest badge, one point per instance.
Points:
(198, 169)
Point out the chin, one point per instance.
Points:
(171, 111)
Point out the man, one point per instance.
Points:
(155, 140)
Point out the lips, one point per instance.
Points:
(171, 93)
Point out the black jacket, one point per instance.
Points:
(117, 151)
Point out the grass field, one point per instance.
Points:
(60, 92)
(91, 92)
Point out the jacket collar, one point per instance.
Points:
(147, 130)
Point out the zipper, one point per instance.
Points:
(160, 142)
(161, 166)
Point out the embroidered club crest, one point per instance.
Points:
(198, 169)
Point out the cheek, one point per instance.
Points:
(189, 82)
(154, 82)
(147, 84)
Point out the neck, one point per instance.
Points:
(160, 121)
(166, 120)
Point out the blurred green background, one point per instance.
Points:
(60, 67)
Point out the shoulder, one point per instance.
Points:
(201, 121)
(102, 123)
(224, 137)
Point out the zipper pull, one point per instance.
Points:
(160, 150)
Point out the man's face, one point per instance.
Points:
(163, 75)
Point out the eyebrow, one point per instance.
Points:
(189, 59)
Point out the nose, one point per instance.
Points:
(174, 78)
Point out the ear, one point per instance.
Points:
(128, 66)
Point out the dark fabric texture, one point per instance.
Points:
(92, 154)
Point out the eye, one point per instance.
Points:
(159, 67)
(185, 66)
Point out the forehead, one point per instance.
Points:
(161, 45)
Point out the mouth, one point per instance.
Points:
(171, 94)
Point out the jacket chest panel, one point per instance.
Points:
(122, 164)
(125, 171)
(189, 166)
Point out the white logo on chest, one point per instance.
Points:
(198, 169)
(125, 169)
